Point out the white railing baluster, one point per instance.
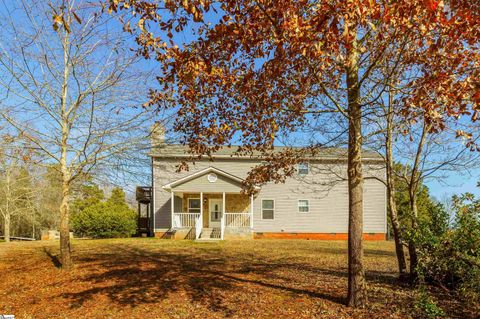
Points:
(185, 220)
(237, 220)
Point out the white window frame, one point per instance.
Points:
(308, 205)
(188, 206)
(261, 203)
(308, 168)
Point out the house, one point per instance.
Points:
(206, 202)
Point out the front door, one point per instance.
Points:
(216, 209)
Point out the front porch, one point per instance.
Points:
(209, 204)
(212, 215)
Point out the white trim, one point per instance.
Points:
(223, 203)
(319, 158)
(261, 211)
(203, 172)
(222, 220)
(386, 207)
(188, 203)
(308, 205)
(251, 211)
(172, 205)
(201, 209)
(153, 196)
(212, 177)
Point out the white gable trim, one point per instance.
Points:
(210, 169)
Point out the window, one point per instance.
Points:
(303, 206)
(194, 205)
(302, 168)
(268, 208)
(212, 177)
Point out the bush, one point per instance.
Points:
(449, 254)
(105, 220)
(425, 306)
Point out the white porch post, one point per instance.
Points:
(201, 209)
(223, 215)
(251, 211)
(223, 204)
(172, 205)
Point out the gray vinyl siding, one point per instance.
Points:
(325, 187)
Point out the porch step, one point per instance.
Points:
(210, 233)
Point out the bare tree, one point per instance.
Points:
(16, 188)
(74, 91)
(425, 152)
(430, 155)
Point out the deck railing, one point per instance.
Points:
(185, 220)
(237, 219)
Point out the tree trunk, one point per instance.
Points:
(412, 191)
(412, 249)
(7, 215)
(65, 249)
(402, 265)
(357, 288)
(6, 227)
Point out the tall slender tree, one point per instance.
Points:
(64, 90)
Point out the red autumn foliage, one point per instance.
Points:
(257, 70)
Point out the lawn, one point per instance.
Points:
(153, 278)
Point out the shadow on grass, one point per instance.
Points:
(344, 250)
(131, 276)
(54, 258)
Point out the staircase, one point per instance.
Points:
(209, 234)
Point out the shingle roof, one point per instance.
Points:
(180, 151)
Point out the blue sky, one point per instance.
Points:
(455, 184)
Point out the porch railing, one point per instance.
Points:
(237, 219)
(185, 220)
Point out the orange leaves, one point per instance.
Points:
(476, 97)
(76, 17)
(64, 19)
(59, 21)
(141, 24)
(196, 8)
(248, 65)
(432, 5)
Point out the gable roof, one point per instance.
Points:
(181, 151)
(202, 172)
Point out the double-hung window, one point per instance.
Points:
(302, 168)
(303, 206)
(268, 209)
(194, 205)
